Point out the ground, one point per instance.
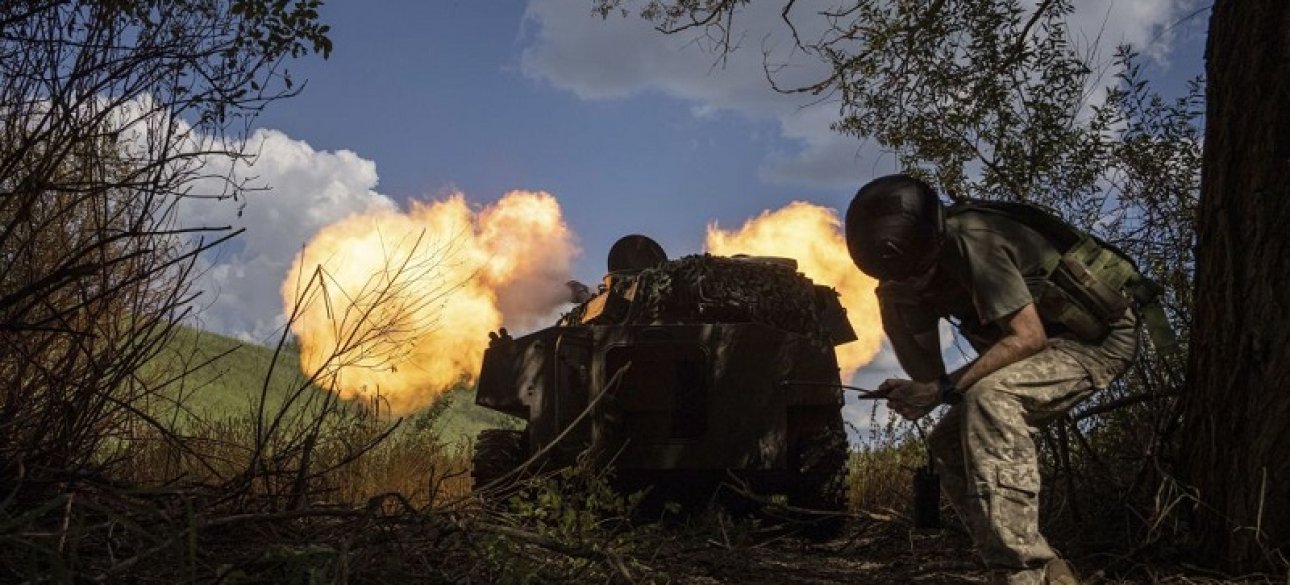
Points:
(883, 552)
(883, 556)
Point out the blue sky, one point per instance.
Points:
(436, 95)
(631, 131)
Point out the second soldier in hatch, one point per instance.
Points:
(1049, 315)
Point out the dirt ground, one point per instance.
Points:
(879, 553)
(885, 556)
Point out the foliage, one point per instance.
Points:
(110, 113)
(398, 497)
(575, 512)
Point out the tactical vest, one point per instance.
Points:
(1090, 284)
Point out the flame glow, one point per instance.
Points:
(399, 305)
(812, 235)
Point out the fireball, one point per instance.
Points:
(395, 307)
(813, 236)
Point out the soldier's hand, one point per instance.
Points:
(910, 399)
(891, 384)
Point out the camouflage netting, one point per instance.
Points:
(715, 289)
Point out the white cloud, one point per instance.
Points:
(291, 191)
(824, 158)
(299, 191)
(618, 57)
(1100, 25)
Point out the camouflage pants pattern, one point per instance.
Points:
(987, 458)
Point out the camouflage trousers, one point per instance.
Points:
(986, 455)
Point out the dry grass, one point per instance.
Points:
(879, 477)
(319, 491)
(186, 510)
(363, 457)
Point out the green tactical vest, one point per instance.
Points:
(1091, 283)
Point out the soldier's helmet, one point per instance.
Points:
(894, 227)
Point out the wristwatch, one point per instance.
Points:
(949, 392)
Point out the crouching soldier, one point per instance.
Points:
(1050, 312)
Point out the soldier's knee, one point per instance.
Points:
(981, 395)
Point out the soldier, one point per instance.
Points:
(1001, 282)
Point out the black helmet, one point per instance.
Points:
(894, 227)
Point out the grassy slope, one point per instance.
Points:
(231, 386)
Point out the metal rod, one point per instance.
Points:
(864, 393)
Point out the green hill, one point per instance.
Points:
(225, 378)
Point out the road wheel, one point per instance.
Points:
(497, 453)
(822, 481)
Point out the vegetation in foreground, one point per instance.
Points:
(402, 511)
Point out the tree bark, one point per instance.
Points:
(1236, 424)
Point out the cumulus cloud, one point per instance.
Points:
(295, 191)
(291, 191)
(1098, 26)
(820, 157)
(618, 57)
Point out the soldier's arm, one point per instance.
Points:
(999, 293)
(1025, 337)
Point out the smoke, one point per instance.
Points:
(532, 253)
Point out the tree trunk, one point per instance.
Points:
(1236, 424)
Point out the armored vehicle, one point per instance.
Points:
(682, 374)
